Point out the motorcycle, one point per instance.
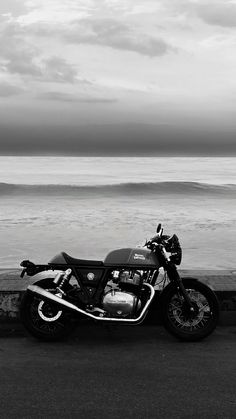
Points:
(119, 290)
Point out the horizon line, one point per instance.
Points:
(145, 155)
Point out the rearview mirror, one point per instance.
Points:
(159, 228)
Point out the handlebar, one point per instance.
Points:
(166, 244)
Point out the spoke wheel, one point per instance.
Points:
(43, 319)
(180, 314)
(48, 313)
(193, 323)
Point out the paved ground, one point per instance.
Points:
(132, 372)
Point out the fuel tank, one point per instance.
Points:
(132, 256)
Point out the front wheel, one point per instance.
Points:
(186, 324)
(43, 319)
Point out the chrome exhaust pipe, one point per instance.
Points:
(35, 289)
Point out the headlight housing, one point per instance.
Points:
(173, 246)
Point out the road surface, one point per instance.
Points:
(129, 372)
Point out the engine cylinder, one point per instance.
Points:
(130, 277)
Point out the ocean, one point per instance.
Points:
(87, 206)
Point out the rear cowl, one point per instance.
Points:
(133, 257)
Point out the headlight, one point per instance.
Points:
(173, 246)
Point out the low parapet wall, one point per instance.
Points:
(223, 282)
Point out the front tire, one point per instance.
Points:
(43, 319)
(180, 321)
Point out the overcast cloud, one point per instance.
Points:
(220, 13)
(67, 97)
(91, 63)
(115, 34)
(7, 89)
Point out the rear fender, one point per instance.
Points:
(44, 271)
(45, 275)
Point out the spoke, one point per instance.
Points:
(181, 321)
(203, 307)
(173, 306)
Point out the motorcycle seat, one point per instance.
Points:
(72, 261)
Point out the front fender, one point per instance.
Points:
(173, 285)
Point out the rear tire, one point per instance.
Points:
(178, 319)
(43, 319)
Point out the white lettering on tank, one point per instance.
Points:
(137, 256)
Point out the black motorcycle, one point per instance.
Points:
(119, 290)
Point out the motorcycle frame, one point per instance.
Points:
(99, 286)
(95, 298)
(93, 291)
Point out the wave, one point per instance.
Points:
(164, 188)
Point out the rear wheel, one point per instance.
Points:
(186, 324)
(43, 319)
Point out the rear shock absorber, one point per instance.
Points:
(61, 278)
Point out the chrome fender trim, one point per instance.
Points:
(35, 289)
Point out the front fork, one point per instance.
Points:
(174, 277)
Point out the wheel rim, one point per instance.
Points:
(45, 317)
(47, 312)
(182, 318)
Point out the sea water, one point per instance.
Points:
(114, 170)
(87, 206)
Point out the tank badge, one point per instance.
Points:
(90, 276)
(138, 256)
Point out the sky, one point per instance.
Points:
(118, 77)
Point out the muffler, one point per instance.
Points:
(46, 295)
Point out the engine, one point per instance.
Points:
(123, 299)
(120, 304)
